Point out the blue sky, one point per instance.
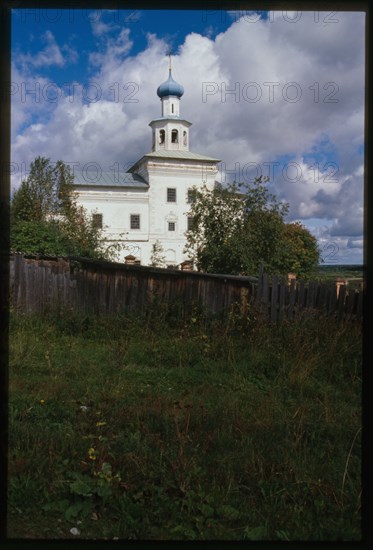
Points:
(86, 26)
(278, 93)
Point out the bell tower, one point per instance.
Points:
(170, 132)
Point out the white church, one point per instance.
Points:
(149, 204)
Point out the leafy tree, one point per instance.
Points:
(238, 228)
(35, 199)
(45, 216)
(300, 252)
(38, 237)
(217, 220)
(157, 257)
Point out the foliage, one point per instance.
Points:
(46, 219)
(157, 257)
(217, 219)
(131, 442)
(300, 251)
(238, 228)
(39, 237)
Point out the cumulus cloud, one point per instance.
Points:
(28, 100)
(99, 26)
(51, 55)
(115, 49)
(261, 92)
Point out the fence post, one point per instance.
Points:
(359, 308)
(291, 299)
(274, 294)
(341, 301)
(283, 291)
(264, 297)
(300, 296)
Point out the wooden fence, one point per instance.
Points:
(107, 288)
(279, 299)
(41, 284)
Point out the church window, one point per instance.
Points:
(185, 138)
(97, 221)
(162, 135)
(171, 194)
(172, 108)
(174, 136)
(190, 223)
(135, 221)
(171, 226)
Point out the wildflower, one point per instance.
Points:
(74, 531)
(98, 424)
(92, 453)
(41, 401)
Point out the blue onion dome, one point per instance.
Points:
(170, 87)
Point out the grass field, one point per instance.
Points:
(154, 428)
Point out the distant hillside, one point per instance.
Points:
(341, 267)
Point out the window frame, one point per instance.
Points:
(168, 194)
(132, 221)
(97, 220)
(173, 224)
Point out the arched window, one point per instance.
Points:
(162, 136)
(174, 136)
(185, 138)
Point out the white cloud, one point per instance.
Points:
(99, 27)
(28, 99)
(51, 55)
(115, 49)
(133, 17)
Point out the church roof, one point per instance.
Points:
(110, 179)
(180, 155)
(170, 117)
(167, 154)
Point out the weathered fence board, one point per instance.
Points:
(39, 284)
(274, 299)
